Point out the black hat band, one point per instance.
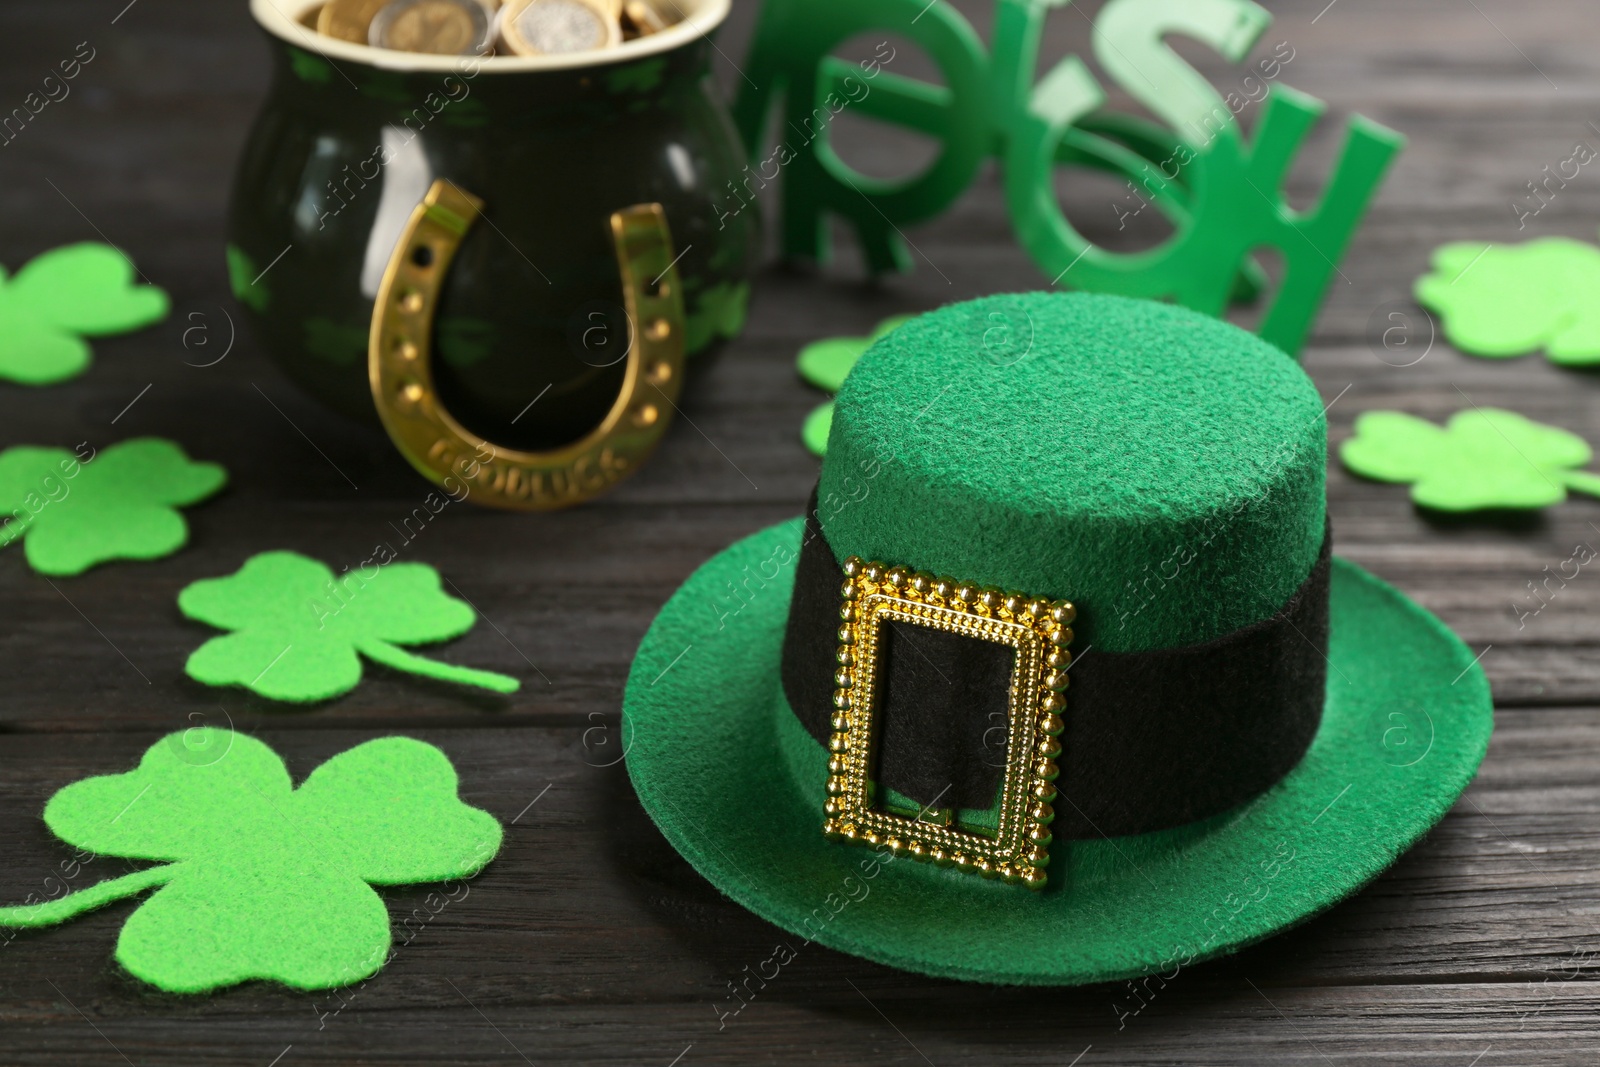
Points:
(1151, 739)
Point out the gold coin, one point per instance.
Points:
(348, 20)
(442, 27)
(641, 18)
(559, 27)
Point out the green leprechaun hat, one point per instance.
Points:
(1057, 681)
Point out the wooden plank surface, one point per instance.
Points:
(589, 941)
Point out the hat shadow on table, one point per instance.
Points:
(732, 944)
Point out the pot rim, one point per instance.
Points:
(281, 19)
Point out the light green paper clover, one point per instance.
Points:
(258, 879)
(1508, 300)
(59, 298)
(120, 503)
(825, 364)
(299, 632)
(1483, 458)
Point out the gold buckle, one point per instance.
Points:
(1038, 630)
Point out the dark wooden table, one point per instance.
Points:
(589, 940)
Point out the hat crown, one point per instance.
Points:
(1162, 469)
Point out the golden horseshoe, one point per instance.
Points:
(399, 365)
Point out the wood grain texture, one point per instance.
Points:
(589, 940)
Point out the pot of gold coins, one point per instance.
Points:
(494, 227)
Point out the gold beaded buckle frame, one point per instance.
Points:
(1038, 630)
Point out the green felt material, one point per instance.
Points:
(59, 298)
(1407, 722)
(1482, 458)
(825, 364)
(261, 880)
(814, 431)
(1509, 300)
(73, 510)
(1161, 469)
(298, 629)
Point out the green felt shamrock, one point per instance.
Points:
(1483, 458)
(258, 879)
(61, 297)
(1509, 300)
(79, 509)
(825, 364)
(298, 629)
(815, 430)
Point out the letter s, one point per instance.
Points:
(1130, 42)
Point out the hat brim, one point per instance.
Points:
(1405, 726)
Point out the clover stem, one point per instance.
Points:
(401, 660)
(1582, 481)
(98, 895)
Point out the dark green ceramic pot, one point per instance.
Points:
(351, 138)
